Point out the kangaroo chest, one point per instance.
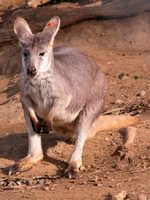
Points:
(47, 102)
(39, 93)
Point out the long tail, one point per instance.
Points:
(107, 122)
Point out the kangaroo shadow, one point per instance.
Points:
(15, 146)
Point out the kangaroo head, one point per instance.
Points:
(37, 51)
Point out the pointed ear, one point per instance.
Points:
(51, 29)
(22, 30)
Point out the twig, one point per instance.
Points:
(138, 170)
(130, 100)
(113, 110)
(12, 187)
(4, 102)
(122, 108)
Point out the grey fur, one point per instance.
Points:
(70, 93)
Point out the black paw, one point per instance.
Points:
(45, 128)
(41, 127)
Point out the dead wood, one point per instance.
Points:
(71, 13)
(36, 3)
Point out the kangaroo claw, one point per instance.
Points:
(71, 173)
(23, 165)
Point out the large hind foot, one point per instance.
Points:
(24, 164)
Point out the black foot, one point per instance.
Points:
(41, 127)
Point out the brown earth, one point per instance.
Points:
(122, 49)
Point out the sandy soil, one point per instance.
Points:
(122, 50)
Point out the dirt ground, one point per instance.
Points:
(122, 50)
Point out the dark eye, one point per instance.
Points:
(25, 54)
(41, 54)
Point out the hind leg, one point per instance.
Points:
(90, 112)
(82, 131)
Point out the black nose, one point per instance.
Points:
(31, 71)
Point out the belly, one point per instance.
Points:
(64, 117)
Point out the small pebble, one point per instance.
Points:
(121, 195)
(88, 167)
(142, 197)
(96, 178)
(142, 94)
(82, 183)
(93, 165)
(108, 137)
(46, 188)
(98, 184)
(102, 34)
(11, 184)
(119, 102)
(136, 77)
(46, 182)
(18, 183)
(2, 183)
(121, 76)
(30, 182)
(110, 62)
(69, 187)
(41, 182)
(82, 168)
(52, 188)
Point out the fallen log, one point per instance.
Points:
(68, 12)
(71, 13)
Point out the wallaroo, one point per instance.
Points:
(62, 90)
